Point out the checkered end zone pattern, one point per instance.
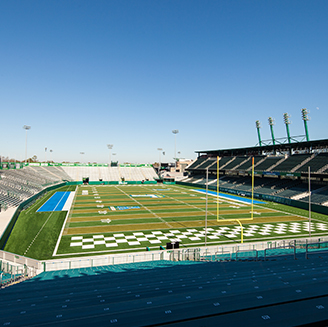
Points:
(193, 235)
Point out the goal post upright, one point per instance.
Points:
(217, 187)
(252, 206)
(252, 203)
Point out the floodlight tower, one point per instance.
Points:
(287, 123)
(110, 147)
(26, 129)
(305, 119)
(271, 123)
(258, 126)
(159, 163)
(175, 132)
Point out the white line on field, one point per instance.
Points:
(40, 230)
(64, 224)
(153, 213)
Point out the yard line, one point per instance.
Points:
(67, 218)
(44, 224)
(260, 206)
(190, 205)
(153, 213)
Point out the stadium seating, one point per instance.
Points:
(196, 163)
(290, 162)
(248, 164)
(267, 163)
(236, 162)
(315, 164)
(284, 291)
(17, 185)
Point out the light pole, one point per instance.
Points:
(206, 206)
(159, 163)
(309, 177)
(26, 127)
(45, 155)
(110, 147)
(51, 155)
(175, 132)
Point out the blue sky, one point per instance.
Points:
(84, 74)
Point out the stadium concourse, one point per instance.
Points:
(283, 284)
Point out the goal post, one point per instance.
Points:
(252, 203)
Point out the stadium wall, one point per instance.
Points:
(294, 203)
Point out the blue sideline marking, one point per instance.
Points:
(55, 203)
(231, 197)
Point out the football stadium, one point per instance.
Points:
(240, 235)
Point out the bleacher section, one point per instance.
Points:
(295, 188)
(77, 173)
(248, 164)
(316, 163)
(290, 162)
(319, 198)
(17, 185)
(267, 163)
(237, 161)
(297, 162)
(196, 163)
(280, 292)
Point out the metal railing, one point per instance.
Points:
(11, 273)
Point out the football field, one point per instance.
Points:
(118, 218)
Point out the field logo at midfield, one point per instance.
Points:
(123, 207)
(146, 196)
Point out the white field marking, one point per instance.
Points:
(190, 205)
(153, 213)
(227, 241)
(35, 204)
(223, 199)
(69, 201)
(258, 206)
(227, 200)
(40, 230)
(64, 224)
(284, 212)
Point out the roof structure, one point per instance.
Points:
(307, 146)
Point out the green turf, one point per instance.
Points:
(24, 238)
(35, 234)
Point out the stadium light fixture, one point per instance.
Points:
(26, 127)
(287, 123)
(50, 154)
(110, 147)
(81, 153)
(258, 126)
(175, 132)
(271, 123)
(305, 118)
